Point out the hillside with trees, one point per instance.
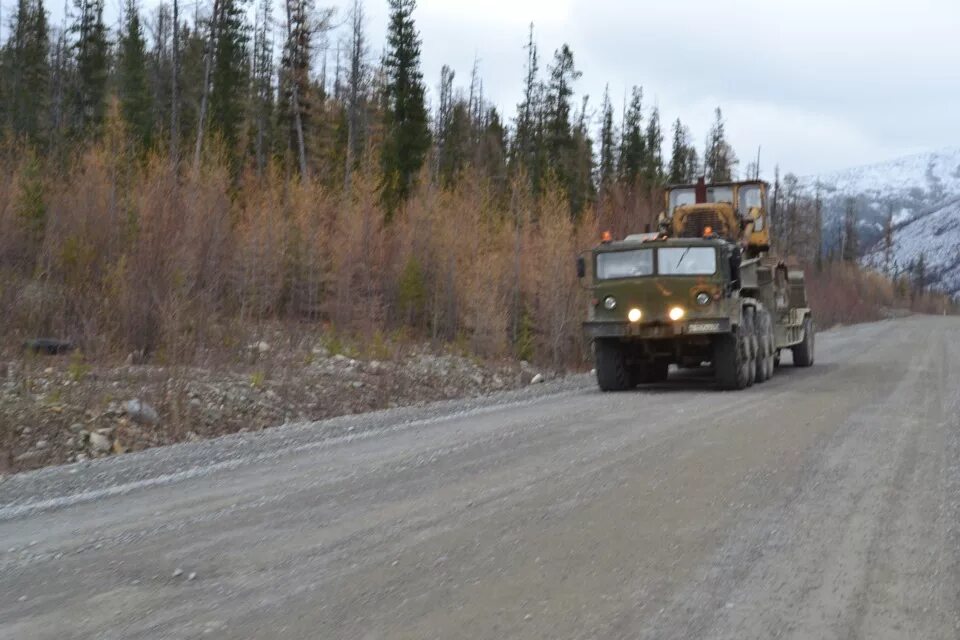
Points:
(180, 180)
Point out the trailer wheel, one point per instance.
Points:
(763, 346)
(612, 371)
(729, 361)
(771, 348)
(803, 352)
(750, 336)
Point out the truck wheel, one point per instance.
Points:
(612, 371)
(763, 347)
(750, 336)
(771, 348)
(803, 352)
(728, 360)
(651, 372)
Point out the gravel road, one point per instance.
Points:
(822, 504)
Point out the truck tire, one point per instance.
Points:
(750, 334)
(803, 352)
(771, 348)
(760, 331)
(729, 362)
(612, 371)
(765, 358)
(651, 372)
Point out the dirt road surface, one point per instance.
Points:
(822, 504)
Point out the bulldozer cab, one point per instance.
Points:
(734, 211)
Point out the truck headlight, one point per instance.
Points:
(609, 303)
(677, 313)
(703, 298)
(634, 315)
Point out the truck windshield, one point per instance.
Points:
(625, 264)
(688, 195)
(687, 261)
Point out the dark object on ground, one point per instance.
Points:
(48, 346)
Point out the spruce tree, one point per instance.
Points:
(678, 154)
(633, 144)
(135, 99)
(89, 100)
(407, 131)
(527, 151)
(719, 159)
(24, 72)
(607, 168)
(653, 167)
(850, 244)
(230, 72)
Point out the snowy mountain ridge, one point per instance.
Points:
(922, 191)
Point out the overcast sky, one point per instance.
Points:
(820, 84)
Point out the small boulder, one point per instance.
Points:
(141, 412)
(537, 379)
(100, 443)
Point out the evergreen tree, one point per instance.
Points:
(357, 80)
(653, 168)
(633, 144)
(694, 168)
(407, 131)
(607, 167)
(888, 241)
(91, 66)
(491, 152)
(719, 159)
(920, 274)
(134, 94)
(24, 72)
(850, 249)
(229, 72)
(678, 154)
(527, 150)
(263, 88)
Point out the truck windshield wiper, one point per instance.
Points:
(682, 256)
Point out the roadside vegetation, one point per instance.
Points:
(176, 189)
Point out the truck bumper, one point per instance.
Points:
(656, 330)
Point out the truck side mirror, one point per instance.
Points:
(581, 267)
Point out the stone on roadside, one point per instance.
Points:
(141, 412)
(537, 379)
(99, 442)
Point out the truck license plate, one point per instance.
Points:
(703, 327)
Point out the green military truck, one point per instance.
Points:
(702, 289)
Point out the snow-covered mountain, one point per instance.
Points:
(923, 193)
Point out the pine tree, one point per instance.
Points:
(24, 72)
(135, 98)
(633, 144)
(527, 151)
(407, 131)
(678, 154)
(920, 275)
(357, 79)
(719, 159)
(608, 159)
(229, 72)
(850, 250)
(263, 89)
(653, 168)
(91, 66)
(888, 241)
(295, 89)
